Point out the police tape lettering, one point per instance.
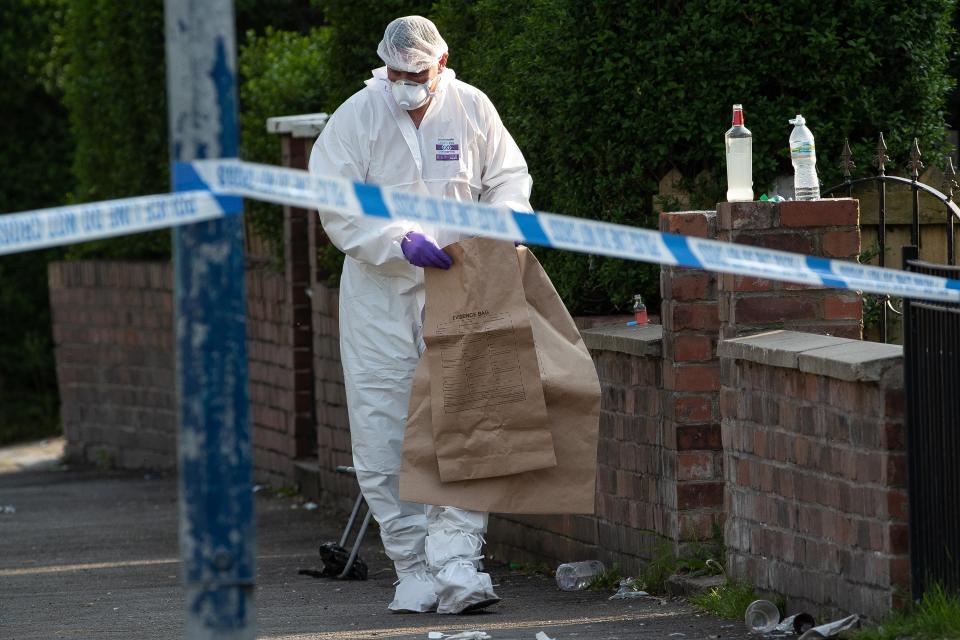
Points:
(210, 185)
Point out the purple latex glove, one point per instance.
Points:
(422, 251)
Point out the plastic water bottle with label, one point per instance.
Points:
(577, 576)
(739, 145)
(803, 153)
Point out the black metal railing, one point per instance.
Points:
(931, 343)
(881, 180)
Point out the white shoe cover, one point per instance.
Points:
(416, 593)
(461, 588)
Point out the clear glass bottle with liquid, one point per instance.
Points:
(739, 145)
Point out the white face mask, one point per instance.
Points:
(410, 95)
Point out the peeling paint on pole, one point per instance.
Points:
(217, 535)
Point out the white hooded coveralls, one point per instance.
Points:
(461, 151)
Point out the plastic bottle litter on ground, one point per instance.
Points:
(577, 576)
(803, 153)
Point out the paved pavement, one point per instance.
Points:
(88, 554)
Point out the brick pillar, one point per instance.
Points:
(827, 228)
(692, 456)
(327, 440)
(297, 134)
(295, 154)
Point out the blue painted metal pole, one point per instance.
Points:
(217, 533)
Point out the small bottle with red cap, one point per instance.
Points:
(639, 310)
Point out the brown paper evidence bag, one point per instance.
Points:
(504, 411)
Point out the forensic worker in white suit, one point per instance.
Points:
(417, 128)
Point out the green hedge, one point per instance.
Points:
(354, 35)
(605, 97)
(115, 87)
(35, 152)
(115, 84)
(281, 73)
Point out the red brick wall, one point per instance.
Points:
(816, 486)
(298, 282)
(270, 360)
(827, 228)
(113, 336)
(693, 462)
(333, 425)
(281, 339)
(633, 513)
(115, 355)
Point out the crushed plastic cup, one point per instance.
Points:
(832, 629)
(761, 616)
(628, 591)
(796, 624)
(463, 635)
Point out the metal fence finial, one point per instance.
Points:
(915, 164)
(846, 160)
(881, 159)
(949, 179)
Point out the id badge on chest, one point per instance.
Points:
(447, 150)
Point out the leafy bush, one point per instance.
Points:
(115, 91)
(282, 73)
(35, 153)
(604, 98)
(283, 15)
(28, 384)
(354, 35)
(115, 85)
(35, 146)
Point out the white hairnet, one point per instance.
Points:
(411, 44)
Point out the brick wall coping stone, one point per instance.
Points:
(308, 125)
(636, 341)
(841, 358)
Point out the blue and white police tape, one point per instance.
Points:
(298, 188)
(228, 179)
(84, 222)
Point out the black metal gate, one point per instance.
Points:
(931, 345)
(881, 180)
